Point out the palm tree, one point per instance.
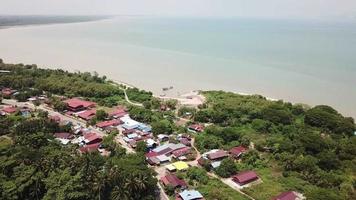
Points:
(120, 194)
(99, 183)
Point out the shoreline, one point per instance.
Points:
(29, 25)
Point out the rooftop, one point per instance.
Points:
(190, 195)
(217, 155)
(9, 109)
(64, 135)
(180, 165)
(104, 124)
(290, 195)
(89, 148)
(237, 151)
(246, 176)
(76, 102)
(173, 180)
(87, 114)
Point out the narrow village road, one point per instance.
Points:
(194, 163)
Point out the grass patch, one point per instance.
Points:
(215, 189)
(5, 143)
(270, 186)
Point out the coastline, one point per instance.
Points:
(33, 24)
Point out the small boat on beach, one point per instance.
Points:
(167, 88)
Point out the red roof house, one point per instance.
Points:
(151, 154)
(118, 112)
(89, 148)
(91, 138)
(87, 115)
(185, 141)
(77, 104)
(128, 131)
(173, 181)
(181, 152)
(217, 155)
(105, 124)
(236, 152)
(290, 195)
(153, 160)
(7, 91)
(245, 177)
(196, 128)
(9, 110)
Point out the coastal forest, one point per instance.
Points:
(291, 146)
(295, 147)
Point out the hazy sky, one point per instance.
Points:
(245, 8)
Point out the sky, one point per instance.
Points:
(313, 9)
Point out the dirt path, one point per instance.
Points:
(130, 102)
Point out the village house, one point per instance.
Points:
(89, 148)
(215, 157)
(143, 127)
(25, 112)
(64, 135)
(236, 152)
(118, 113)
(163, 158)
(162, 137)
(166, 149)
(189, 195)
(244, 178)
(9, 110)
(151, 158)
(7, 92)
(77, 104)
(132, 136)
(173, 180)
(64, 138)
(290, 195)
(180, 153)
(196, 128)
(92, 138)
(87, 114)
(185, 140)
(128, 123)
(151, 144)
(107, 124)
(177, 166)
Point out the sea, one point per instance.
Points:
(311, 62)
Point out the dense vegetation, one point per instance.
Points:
(35, 166)
(309, 150)
(30, 80)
